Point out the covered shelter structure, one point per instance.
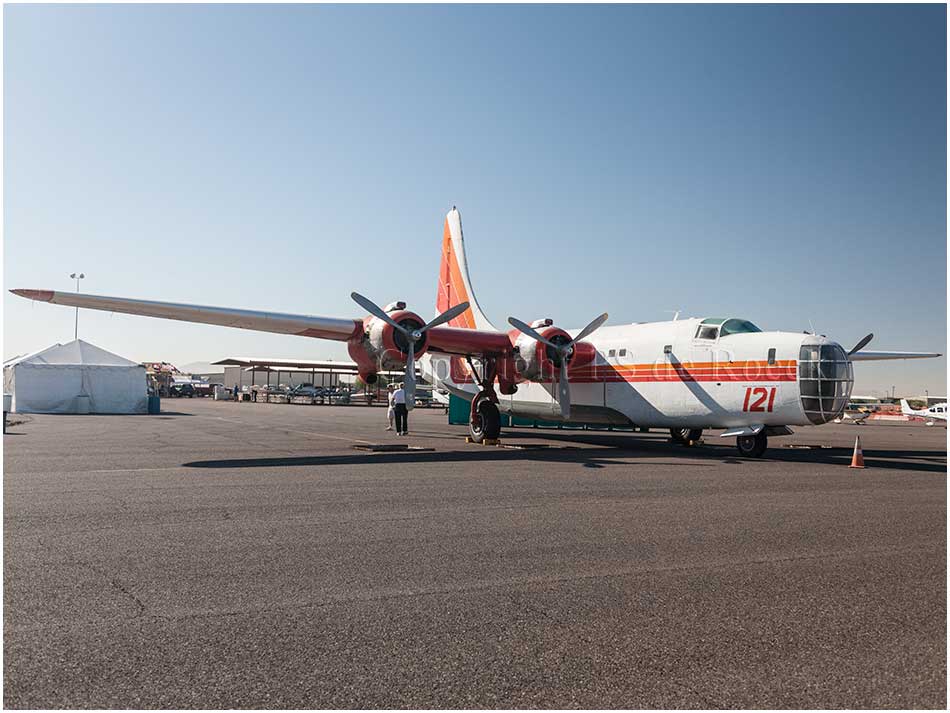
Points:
(77, 377)
(248, 372)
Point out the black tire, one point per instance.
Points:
(486, 425)
(685, 435)
(752, 446)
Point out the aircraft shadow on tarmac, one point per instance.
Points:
(581, 456)
(614, 450)
(902, 459)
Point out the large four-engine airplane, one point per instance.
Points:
(686, 375)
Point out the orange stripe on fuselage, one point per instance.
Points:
(747, 371)
(696, 365)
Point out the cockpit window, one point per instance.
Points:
(737, 326)
(715, 327)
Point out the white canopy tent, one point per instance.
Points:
(77, 377)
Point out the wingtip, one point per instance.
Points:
(41, 295)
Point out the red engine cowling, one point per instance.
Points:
(535, 361)
(382, 347)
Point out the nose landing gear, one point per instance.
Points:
(752, 446)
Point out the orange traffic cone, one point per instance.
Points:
(857, 460)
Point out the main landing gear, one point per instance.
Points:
(686, 436)
(485, 419)
(485, 423)
(752, 446)
(749, 446)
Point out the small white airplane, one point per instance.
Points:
(937, 412)
(684, 374)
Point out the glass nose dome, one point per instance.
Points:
(825, 378)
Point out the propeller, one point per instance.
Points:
(564, 351)
(860, 345)
(412, 336)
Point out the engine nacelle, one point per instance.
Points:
(390, 347)
(535, 361)
(382, 347)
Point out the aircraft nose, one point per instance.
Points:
(825, 378)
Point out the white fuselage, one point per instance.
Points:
(936, 412)
(662, 374)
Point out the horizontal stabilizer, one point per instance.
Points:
(881, 356)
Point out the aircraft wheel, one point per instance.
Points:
(752, 446)
(487, 422)
(685, 435)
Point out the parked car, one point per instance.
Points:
(424, 398)
(271, 388)
(308, 390)
(182, 390)
(262, 391)
(204, 389)
(337, 395)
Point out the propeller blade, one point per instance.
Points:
(525, 329)
(586, 331)
(377, 312)
(860, 345)
(409, 385)
(447, 316)
(564, 392)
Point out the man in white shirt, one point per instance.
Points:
(391, 410)
(401, 412)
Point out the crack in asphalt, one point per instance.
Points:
(114, 583)
(117, 586)
(485, 585)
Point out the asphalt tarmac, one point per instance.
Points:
(247, 556)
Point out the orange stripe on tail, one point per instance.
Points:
(451, 285)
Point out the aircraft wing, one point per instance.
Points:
(880, 356)
(451, 340)
(280, 323)
(469, 342)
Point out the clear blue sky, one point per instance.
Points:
(782, 164)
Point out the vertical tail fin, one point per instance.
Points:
(454, 283)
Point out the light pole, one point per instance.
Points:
(77, 278)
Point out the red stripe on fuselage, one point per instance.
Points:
(750, 371)
(646, 378)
